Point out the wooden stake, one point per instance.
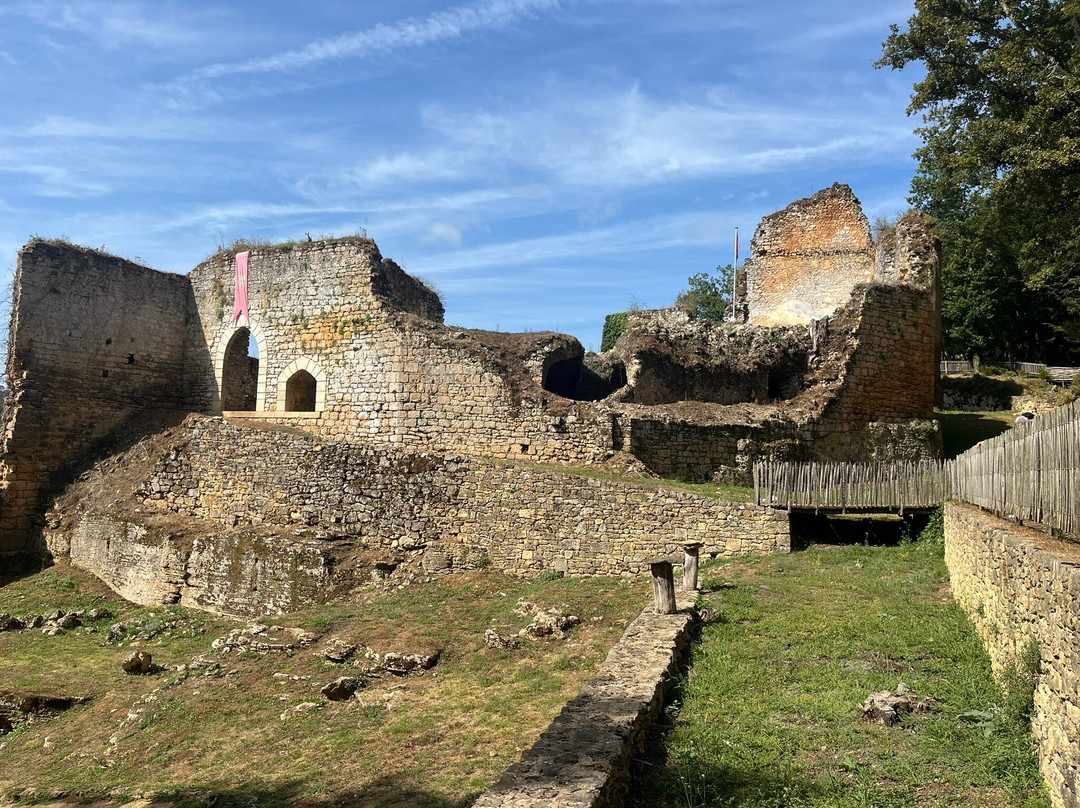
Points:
(690, 567)
(663, 583)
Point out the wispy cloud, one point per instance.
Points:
(588, 137)
(648, 235)
(111, 24)
(442, 232)
(413, 32)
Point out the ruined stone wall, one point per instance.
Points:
(390, 371)
(95, 340)
(806, 259)
(525, 519)
(884, 407)
(585, 756)
(1017, 587)
(696, 453)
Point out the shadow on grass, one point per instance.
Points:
(962, 430)
(657, 781)
(380, 793)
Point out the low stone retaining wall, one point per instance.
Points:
(583, 759)
(231, 572)
(526, 519)
(1018, 586)
(251, 520)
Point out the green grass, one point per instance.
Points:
(770, 712)
(436, 739)
(962, 430)
(730, 493)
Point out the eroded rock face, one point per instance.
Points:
(232, 572)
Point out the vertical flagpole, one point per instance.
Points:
(734, 273)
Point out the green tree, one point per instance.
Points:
(709, 295)
(999, 168)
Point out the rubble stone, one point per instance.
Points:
(137, 662)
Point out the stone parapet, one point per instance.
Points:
(1018, 586)
(583, 759)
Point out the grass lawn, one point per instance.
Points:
(724, 491)
(436, 739)
(770, 712)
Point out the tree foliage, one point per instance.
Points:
(709, 295)
(999, 168)
(614, 325)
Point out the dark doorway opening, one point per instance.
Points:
(240, 373)
(300, 392)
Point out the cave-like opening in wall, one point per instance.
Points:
(240, 373)
(301, 392)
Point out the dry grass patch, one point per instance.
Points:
(246, 734)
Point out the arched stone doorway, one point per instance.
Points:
(240, 372)
(241, 343)
(300, 392)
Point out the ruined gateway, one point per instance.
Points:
(142, 440)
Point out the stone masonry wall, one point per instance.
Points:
(391, 372)
(95, 340)
(526, 519)
(884, 407)
(583, 758)
(1018, 586)
(806, 259)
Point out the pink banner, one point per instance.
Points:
(240, 294)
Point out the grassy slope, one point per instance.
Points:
(796, 643)
(433, 740)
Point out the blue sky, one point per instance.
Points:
(543, 162)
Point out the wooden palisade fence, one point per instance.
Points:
(849, 486)
(1031, 472)
(1058, 374)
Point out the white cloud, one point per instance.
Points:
(659, 233)
(112, 25)
(442, 232)
(603, 139)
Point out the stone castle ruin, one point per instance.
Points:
(360, 432)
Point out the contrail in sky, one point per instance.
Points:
(413, 32)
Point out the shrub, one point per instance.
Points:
(614, 326)
(934, 531)
(709, 296)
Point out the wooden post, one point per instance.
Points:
(689, 566)
(663, 584)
